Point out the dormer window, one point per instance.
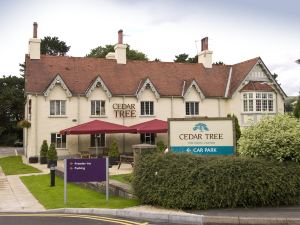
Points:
(257, 102)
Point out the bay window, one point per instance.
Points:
(258, 102)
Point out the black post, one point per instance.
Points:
(52, 174)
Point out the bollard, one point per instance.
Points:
(52, 175)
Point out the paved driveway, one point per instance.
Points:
(8, 151)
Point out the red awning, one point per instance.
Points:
(152, 126)
(97, 127)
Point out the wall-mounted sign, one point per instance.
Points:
(124, 110)
(205, 136)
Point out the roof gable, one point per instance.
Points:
(97, 82)
(192, 85)
(147, 84)
(57, 81)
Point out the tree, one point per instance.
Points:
(101, 52)
(297, 108)
(53, 46)
(275, 138)
(12, 102)
(237, 127)
(298, 61)
(184, 58)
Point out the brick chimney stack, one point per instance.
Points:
(205, 56)
(120, 37)
(34, 44)
(120, 49)
(35, 26)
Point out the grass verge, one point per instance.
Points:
(78, 197)
(13, 165)
(123, 178)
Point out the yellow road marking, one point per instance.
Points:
(107, 219)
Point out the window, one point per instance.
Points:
(264, 102)
(97, 108)
(57, 107)
(148, 138)
(147, 108)
(100, 140)
(59, 140)
(191, 108)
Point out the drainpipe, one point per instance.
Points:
(219, 108)
(36, 125)
(171, 106)
(123, 125)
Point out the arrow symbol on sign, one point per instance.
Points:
(188, 150)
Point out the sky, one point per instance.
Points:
(238, 30)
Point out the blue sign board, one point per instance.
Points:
(86, 170)
(204, 150)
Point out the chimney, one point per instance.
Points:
(205, 56)
(34, 44)
(120, 49)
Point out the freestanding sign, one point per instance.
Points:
(205, 136)
(86, 170)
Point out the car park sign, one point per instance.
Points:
(202, 136)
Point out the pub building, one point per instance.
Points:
(64, 91)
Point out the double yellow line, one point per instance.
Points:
(99, 218)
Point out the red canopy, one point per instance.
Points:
(96, 127)
(152, 126)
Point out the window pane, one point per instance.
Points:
(196, 108)
(151, 109)
(53, 138)
(245, 96)
(142, 108)
(258, 95)
(245, 106)
(92, 107)
(264, 95)
(52, 107)
(64, 141)
(270, 105)
(147, 108)
(102, 140)
(152, 139)
(250, 95)
(270, 96)
(258, 105)
(142, 138)
(92, 140)
(250, 105)
(264, 105)
(97, 107)
(192, 104)
(187, 108)
(63, 107)
(102, 108)
(57, 107)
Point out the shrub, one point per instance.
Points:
(275, 138)
(113, 150)
(192, 182)
(161, 146)
(52, 153)
(44, 149)
(237, 126)
(24, 124)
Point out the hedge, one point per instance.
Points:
(191, 182)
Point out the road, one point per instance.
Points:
(66, 219)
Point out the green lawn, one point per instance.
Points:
(78, 197)
(13, 165)
(124, 178)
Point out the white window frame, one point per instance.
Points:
(94, 104)
(193, 110)
(258, 102)
(59, 144)
(59, 107)
(144, 110)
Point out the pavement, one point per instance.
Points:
(14, 197)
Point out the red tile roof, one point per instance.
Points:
(124, 79)
(257, 86)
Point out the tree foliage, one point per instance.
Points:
(275, 138)
(44, 149)
(12, 102)
(237, 126)
(296, 111)
(101, 52)
(53, 46)
(298, 61)
(52, 153)
(184, 58)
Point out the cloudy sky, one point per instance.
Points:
(237, 30)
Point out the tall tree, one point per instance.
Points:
(11, 107)
(297, 108)
(184, 58)
(101, 52)
(53, 46)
